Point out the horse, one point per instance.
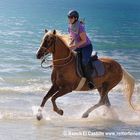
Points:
(65, 79)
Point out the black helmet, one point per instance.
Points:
(73, 13)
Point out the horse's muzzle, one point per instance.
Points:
(41, 55)
(38, 56)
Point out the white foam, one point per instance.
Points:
(43, 112)
(35, 88)
(1, 79)
(105, 113)
(12, 115)
(116, 114)
(1, 116)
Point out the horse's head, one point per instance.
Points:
(47, 44)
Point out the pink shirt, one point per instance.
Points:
(75, 30)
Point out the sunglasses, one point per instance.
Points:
(70, 17)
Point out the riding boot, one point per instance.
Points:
(87, 74)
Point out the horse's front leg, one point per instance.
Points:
(60, 93)
(52, 91)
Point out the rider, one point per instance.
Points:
(80, 43)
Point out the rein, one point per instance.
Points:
(45, 59)
(63, 59)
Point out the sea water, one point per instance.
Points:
(113, 27)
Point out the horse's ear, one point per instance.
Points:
(46, 30)
(54, 32)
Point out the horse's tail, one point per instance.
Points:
(129, 83)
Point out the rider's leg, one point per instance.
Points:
(87, 74)
(86, 54)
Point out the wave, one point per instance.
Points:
(15, 115)
(37, 85)
(35, 88)
(1, 79)
(96, 40)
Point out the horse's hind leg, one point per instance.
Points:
(86, 114)
(103, 100)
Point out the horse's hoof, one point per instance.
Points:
(85, 115)
(60, 112)
(39, 116)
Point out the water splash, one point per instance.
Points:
(43, 113)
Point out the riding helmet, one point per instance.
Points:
(73, 13)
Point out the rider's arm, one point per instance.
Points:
(83, 39)
(71, 42)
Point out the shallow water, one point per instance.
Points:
(17, 117)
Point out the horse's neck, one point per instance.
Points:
(61, 51)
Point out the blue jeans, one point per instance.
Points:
(86, 53)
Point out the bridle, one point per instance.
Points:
(45, 59)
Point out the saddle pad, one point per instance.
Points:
(99, 69)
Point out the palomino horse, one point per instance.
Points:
(65, 78)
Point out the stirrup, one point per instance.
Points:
(90, 85)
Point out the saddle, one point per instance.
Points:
(96, 66)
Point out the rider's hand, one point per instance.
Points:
(72, 47)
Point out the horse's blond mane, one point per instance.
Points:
(64, 37)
